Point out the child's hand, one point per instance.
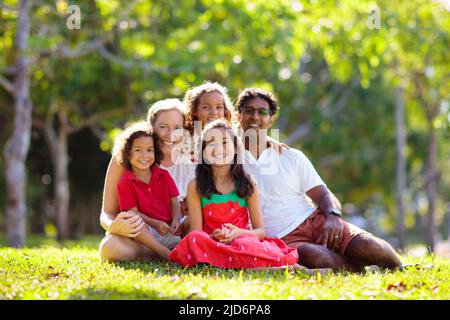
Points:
(233, 233)
(219, 234)
(162, 228)
(175, 227)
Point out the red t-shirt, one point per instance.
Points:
(152, 199)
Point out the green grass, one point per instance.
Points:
(74, 271)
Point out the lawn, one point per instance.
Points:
(49, 270)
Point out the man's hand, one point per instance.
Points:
(332, 233)
(127, 224)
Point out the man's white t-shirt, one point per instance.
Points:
(182, 172)
(283, 181)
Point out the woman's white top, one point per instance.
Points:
(182, 172)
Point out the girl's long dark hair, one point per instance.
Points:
(204, 174)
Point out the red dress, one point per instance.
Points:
(246, 251)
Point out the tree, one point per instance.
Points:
(67, 106)
(16, 147)
(401, 165)
(411, 38)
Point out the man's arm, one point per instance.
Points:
(333, 228)
(324, 199)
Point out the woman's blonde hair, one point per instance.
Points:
(165, 105)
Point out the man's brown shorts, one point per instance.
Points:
(309, 232)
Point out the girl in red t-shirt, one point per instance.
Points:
(147, 190)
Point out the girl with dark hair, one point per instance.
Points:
(226, 227)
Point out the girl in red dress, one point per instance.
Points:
(226, 221)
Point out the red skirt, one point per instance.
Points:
(246, 251)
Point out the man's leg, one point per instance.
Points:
(114, 248)
(366, 249)
(316, 256)
(313, 255)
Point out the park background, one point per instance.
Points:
(363, 88)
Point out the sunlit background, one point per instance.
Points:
(363, 88)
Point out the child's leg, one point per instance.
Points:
(148, 239)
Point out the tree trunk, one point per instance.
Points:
(57, 142)
(16, 147)
(62, 195)
(431, 189)
(401, 165)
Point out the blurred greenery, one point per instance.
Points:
(332, 67)
(42, 240)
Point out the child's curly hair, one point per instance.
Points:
(192, 99)
(124, 141)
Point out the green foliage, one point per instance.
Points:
(329, 69)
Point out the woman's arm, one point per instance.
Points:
(194, 206)
(110, 206)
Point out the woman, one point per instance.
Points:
(167, 118)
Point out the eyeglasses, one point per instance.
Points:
(261, 111)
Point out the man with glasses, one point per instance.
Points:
(297, 205)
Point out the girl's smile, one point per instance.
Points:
(219, 149)
(210, 107)
(142, 154)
